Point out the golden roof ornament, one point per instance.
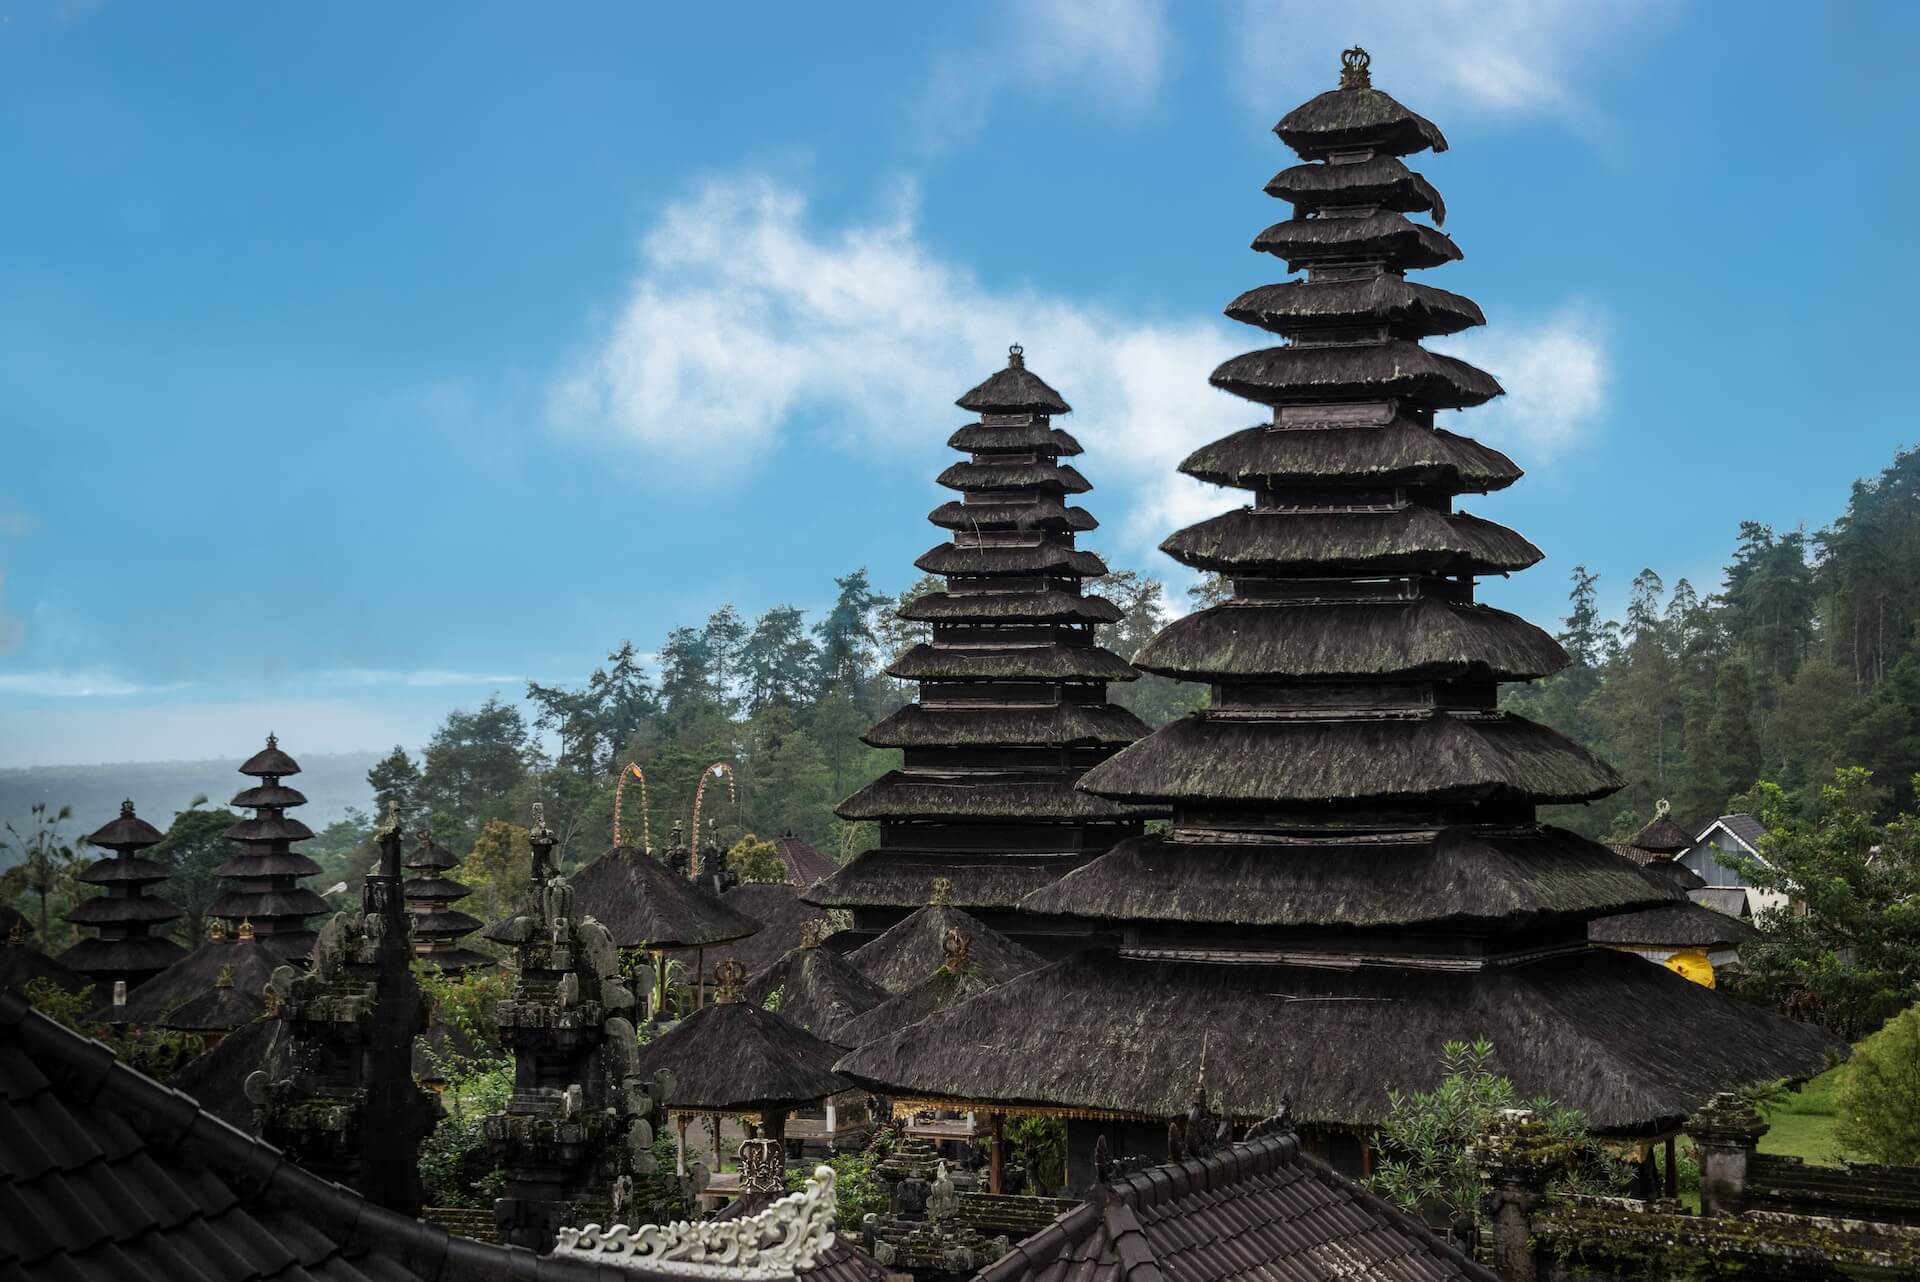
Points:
(940, 894)
(813, 932)
(246, 931)
(225, 978)
(1354, 73)
(955, 944)
(216, 931)
(733, 978)
(1016, 357)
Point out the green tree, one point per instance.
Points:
(47, 867)
(1880, 1095)
(778, 660)
(846, 637)
(753, 859)
(476, 765)
(1846, 952)
(192, 851)
(1156, 700)
(394, 780)
(497, 869)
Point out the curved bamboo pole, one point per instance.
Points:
(700, 796)
(646, 822)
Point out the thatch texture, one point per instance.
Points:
(129, 959)
(734, 1057)
(997, 559)
(645, 904)
(933, 994)
(899, 878)
(1040, 662)
(1634, 1046)
(218, 1077)
(1450, 878)
(123, 870)
(1402, 540)
(271, 762)
(122, 910)
(1014, 390)
(266, 795)
(1012, 438)
(252, 962)
(22, 963)
(820, 991)
(778, 909)
(915, 948)
(1054, 606)
(1324, 640)
(1060, 478)
(217, 1010)
(1682, 925)
(1442, 757)
(1413, 310)
(1393, 237)
(1043, 512)
(1400, 367)
(804, 864)
(269, 828)
(1053, 724)
(1399, 453)
(126, 831)
(268, 863)
(1378, 180)
(294, 903)
(1352, 119)
(981, 796)
(1663, 836)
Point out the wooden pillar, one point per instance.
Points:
(1673, 1171)
(700, 966)
(1366, 1155)
(994, 1158)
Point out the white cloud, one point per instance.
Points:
(1555, 374)
(77, 685)
(746, 325)
(416, 678)
(1516, 56)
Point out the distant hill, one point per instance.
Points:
(331, 781)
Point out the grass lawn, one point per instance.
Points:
(1802, 1124)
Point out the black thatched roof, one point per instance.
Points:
(220, 1008)
(1026, 512)
(128, 959)
(804, 864)
(127, 831)
(1043, 661)
(933, 994)
(1021, 438)
(1059, 478)
(123, 870)
(1681, 925)
(644, 903)
(429, 855)
(982, 795)
(1411, 539)
(1014, 390)
(269, 828)
(1386, 235)
(253, 962)
(1670, 874)
(735, 1057)
(1005, 560)
(777, 907)
(1663, 836)
(1052, 724)
(1457, 878)
(1411, 309)
(1398, 453)
(914, 948)
(1442, 757)
(1634, 1046)
(981, 879)
(1255, 1210)
(123, 910)
(1426, 637)
(1378, 180)
(267, 795)
(1354, 119)
(270, 762)
(434, 889)
(12, 920)
(22, 963)
(218, 1076)
(1053, 606)
(268, 863)
(1400, 367)
(819, 990)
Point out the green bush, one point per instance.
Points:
(456, 1167)
(1880, 1094)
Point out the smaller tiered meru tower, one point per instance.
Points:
(438, 926)
(1012, 706)
(263, 877)
(124, 913)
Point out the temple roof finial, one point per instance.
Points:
(1354, 64)
(940, 893)
(733, 978)
(1016, 357)
(126, 807)
(273, 740)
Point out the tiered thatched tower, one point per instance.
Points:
(438, 927)
(263, 877)
(1013, 689)
(1355, 873)
(125, 950)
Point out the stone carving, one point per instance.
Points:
(786, 1238)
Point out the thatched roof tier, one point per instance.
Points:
(990, 880)
(270, 762)
(1399, 367)
(1407, 308)
(820, 991)
(1041, 513)
(127, 831)
(1049, 725)
(735, 1057)
(1014, 390)
(1054, 606)
(126, 913)
(1357, 118)
(915, 948)
(262, 905)
(12, 920)
(217, 1010)
(1061, 478)
(429, 855)
(123, 870)
(435, 888)
(1411, 539)
(1378, 180)
(1682, 925)
(1670, 873)
(1398, 453)
(218, 1077)
(268, 796)
(1387, 236)
(268, 828)
(1001, 559)
(122, 910)
(252, 961)
(933, 994)
(804, 863)
(269, 863)
(1663, 836)
(22, 963)
(777, 907)
(1015, 438)
(1011, 663)
(1450, 878)
(1633, 1046)
(980, 796)
(1328, 640)
(132, 959)
(645, 904)
(1484, 757)
(445, 923)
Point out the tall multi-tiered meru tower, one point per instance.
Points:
(1012, 706)
(1354, 873)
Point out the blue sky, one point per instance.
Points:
(356, 361)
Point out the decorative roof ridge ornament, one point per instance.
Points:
(126, 808)
(1016, 357)
(940, 894)
(1354, 64)
(733, 977)
(788, 1237)
(1662, 808)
